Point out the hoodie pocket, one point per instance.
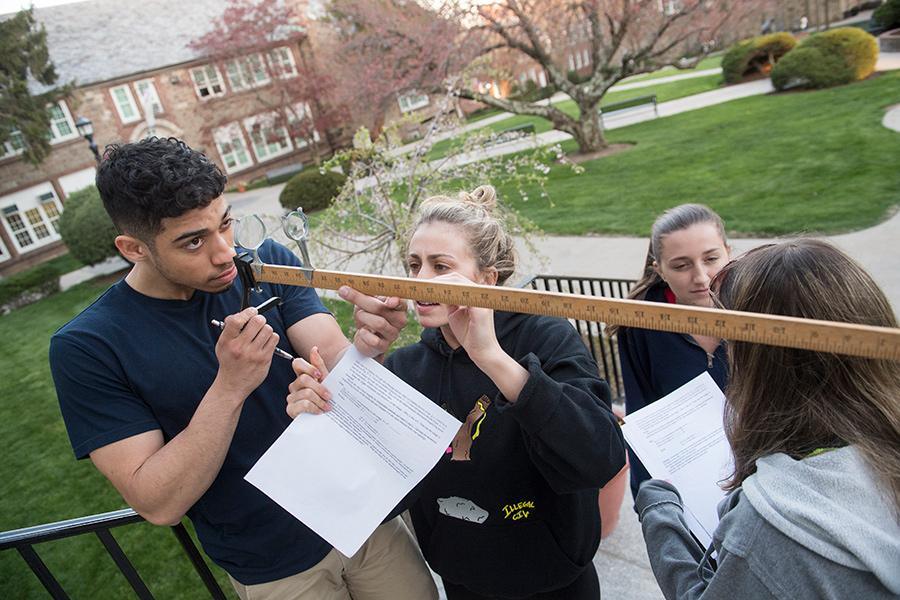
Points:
(513, 561)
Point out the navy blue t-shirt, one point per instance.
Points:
(130, 364)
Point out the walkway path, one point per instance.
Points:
(558, 97)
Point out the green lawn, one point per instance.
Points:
(42, 481)
(710, 62)
(664, 92)
(779, 164)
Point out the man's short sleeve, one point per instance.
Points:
(299, 302)
(97, 404)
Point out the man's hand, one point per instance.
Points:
(244, 351)
(307, 393)
(378, 320)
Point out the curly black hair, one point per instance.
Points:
(154, 179)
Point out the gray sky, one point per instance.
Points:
(9, 6)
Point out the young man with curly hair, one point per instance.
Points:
(174, 412)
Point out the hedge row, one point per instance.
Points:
(826, 59)
(755, 55)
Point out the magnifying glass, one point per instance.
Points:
(250, 233)
(295, 225)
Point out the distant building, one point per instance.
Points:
(136, 77)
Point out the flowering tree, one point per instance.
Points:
(248, 42)
(371, 217)
(415, 47)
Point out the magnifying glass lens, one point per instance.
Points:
(296, 225)
(249, 232)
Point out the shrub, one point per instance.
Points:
(810, 68)
(38, 281)
(755, 55)
(312, 190)
(826, 59)
(888, 15)
(86, 228)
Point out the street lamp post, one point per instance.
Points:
(86, 129)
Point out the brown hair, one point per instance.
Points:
(795, 401)
(675, 219)
(491, 244)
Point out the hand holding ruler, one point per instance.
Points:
(792, 332)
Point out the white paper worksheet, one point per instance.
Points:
(680, 438)
(342, 472)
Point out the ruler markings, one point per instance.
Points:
(840, 338)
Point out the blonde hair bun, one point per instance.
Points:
(484, 196)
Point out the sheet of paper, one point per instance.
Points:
(680, 438)
(342, 472)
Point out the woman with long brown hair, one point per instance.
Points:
(814, 503)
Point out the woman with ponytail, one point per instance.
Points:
(510, 511)
(688, 247)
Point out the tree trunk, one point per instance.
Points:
(588, 131)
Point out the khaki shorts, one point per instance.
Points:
(389, 566)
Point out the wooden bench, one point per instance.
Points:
(630, 104)
(512, 133)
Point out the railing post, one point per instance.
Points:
(197, 560)
(125, 566)
(43, 573)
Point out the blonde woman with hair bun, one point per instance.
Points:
(510, 511)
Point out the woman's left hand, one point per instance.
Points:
(472, 327)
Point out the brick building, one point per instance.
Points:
(136, 76)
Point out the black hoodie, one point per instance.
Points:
(521, 516)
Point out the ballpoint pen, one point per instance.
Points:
(278, 351)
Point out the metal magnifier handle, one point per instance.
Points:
(295, 225)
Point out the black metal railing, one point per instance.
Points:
(602, 347)
(24, 541)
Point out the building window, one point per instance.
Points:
(670, 7)
(14, 146)
(281, 60)
(4, 253)
(268, 137)
(230, 143)
(62, 127)
(207, 81)
(247, 72)
(412, 101)
(146, 94)
(33, 222)
(125, 104)
(585, 58)
(300, 122)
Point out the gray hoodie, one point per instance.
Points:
(818, 528)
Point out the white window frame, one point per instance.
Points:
(242, 74)
(302, 109)
(155, 102)
(29, 203)
(230, 143)
(262, 150)
(5, 255)
(278, 64)
(129, 103)
(411, 101)
(57, 136)
(207, 83)
(8, 148)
